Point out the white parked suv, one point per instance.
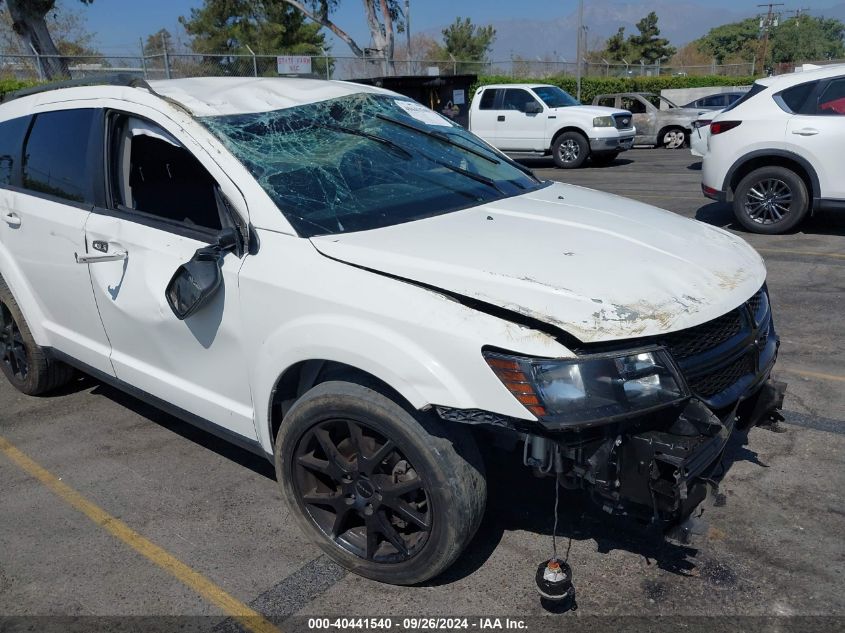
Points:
(544, 119)
(337, 278)
(776, 154)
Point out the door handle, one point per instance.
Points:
(501, 117)
(116, 256)
(12, 219)
(807, 131)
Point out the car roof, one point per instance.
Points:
(800, 77)
(208, 96)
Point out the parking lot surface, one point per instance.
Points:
(162, 494)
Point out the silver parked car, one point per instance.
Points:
(659, 121)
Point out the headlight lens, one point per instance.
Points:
(590, 389)
(604, 121)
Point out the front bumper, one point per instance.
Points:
(611, 144)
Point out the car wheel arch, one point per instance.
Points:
(765, 158)
(564, 130)
(295, 381)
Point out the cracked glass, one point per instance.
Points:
(366, 161)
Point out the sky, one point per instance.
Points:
(119, 24)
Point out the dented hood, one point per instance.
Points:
(598, 266)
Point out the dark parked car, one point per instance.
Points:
(718, 101)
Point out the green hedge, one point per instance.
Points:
(592, 86)
(10, 85)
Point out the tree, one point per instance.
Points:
(807, 38)
(802, 38)
(268, 26)
(158, 42)
(616, 48)
(466, 42)
(736, 42)
(647, 45)
(385, 18)
(29, 22)
(67, 29)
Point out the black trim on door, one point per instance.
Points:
(253, 446)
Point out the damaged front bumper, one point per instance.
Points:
(655, 466)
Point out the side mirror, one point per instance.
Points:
(532, 107)
(195, 282)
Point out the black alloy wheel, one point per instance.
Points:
(13, 352)
(361, 491)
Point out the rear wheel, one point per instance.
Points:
(570, 150)
(771, 200)
(26, 365)
(391, 494)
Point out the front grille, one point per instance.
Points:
(624, 121)
(698, 339)
(717, 381)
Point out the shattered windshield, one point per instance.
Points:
(365, 161)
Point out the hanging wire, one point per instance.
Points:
(554, 529)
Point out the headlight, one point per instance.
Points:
(590, 389)
(604, 121)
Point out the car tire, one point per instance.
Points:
(570, 150)
(26, 366)
(604, 159)
(399, 514)
(771, 200)
(673, 138)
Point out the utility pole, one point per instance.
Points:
(408, 35)
(766, 25)
(579, 54)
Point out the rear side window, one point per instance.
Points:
(793, 99)
(832, 100)
(607, 102)
(55, 158)
(488, 99)
(11, 138)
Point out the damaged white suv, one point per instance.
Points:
(337, 278)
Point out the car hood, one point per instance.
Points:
(598, 266)
(590, 110)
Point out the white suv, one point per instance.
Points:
(776, 153)
(339, 279)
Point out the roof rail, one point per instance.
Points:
(115, 79)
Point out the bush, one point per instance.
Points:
(10, 85)
(592, 86)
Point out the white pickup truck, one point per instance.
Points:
(543, 119)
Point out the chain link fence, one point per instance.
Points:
(167, 65)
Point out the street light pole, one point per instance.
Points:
(578, 56)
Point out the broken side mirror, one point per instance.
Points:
(196, 282)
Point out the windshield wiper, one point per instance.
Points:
(444, 138)
(440, 136)
(373, 137)
(469, 174)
